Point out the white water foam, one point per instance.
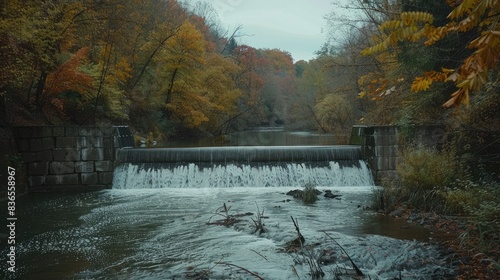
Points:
(135, 176)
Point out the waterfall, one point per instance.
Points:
(225, 167)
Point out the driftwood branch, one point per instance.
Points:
(297, 243)
(244, 269)
(259, 254)
(300, 236)
(358, 271)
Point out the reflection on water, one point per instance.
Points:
(259, 137)
(163, 234)
(280, 138)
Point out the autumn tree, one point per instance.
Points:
(127, 36)
(176, 63)
(33, 34)
(278, 73)
(69, 87)
(341, 65)
(162, 20)
(312, 83)
(219, 92)
(250, 82)
(478, 19)
(335, 113)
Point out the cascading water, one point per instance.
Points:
(132, 176)
(241, 167)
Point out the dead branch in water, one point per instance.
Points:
(244, 269)
(259, 254)
(300, 236)
(297, 243)
(228, 220)
(258, 223)
(358, 271)
(201, 274)
(309, 258)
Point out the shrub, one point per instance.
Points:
(487, 216)
(426, 169)
(484, 208)
(310, 194)
(457, 199)
(424, 175)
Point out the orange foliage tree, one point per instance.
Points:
(69, 78)
(479, 17)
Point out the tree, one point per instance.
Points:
(70, 84)
(250, 81)
(278, 73)
(220, 93)
(167, 19)
(335, 113)
(479, 18)
(311, 86)
(33, 34)
(179, 60)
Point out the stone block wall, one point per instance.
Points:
(380, 145)
(10, 158)
(70, 158)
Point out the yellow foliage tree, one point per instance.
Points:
(182, 58)
(334, 112)
(482, 16)
(218, 83)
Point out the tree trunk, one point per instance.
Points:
(150, 58)
(102, 80)
(169, 93)
(39, 90)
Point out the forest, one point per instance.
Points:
(166, 68)
(169, 69)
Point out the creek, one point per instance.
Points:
(157, 223)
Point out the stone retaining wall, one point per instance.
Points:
(10, 158)
(70, 158)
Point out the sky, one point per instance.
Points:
(296, 26)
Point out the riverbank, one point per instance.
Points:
(476, 253)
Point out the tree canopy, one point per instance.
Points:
(169, 67)
(479, 20)
(158, 65)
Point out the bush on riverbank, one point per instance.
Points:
(424, 174)
(425, 169)
(436, 181)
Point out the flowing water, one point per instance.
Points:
(161, 221)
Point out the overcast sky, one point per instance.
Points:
(296, 26)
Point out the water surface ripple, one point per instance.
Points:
(163, 234)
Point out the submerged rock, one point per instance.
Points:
(298, 194)
(329, 194)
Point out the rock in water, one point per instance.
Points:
(329, 194)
